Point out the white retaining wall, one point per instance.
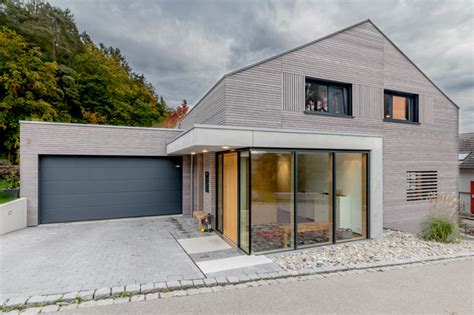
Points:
(12, 216)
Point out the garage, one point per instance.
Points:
(79, 188)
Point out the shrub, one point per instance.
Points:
(12, 181)
(440, 229)
(441, 223)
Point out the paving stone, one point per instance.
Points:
(102, 293)
(192, 291)
(159, 286)
(137, 298)
(52, 298)
(221, 280)
(14, 312)
(204, 290)
(198, 283)
(172, 285)
(133, 288)
(37, 299)
(16, 301)
(32, 310)
(3, 301)
(72, 306)
(50, 309)
(229, 287)
(179, 293)
(166, 295)
(118, 290)
(254, 277)
(87, 304)
(147, 288)
(210, 281)
(105, 302)
(69, 297)
(122, 300)
(233, 279)
(217, 289)
(86, 295)
(244, 278)
(241, 285)
(186, 283)
(152, 296)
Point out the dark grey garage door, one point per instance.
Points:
(76, 188)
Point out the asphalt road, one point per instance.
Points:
(441, 288)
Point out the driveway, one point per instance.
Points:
(79, 256)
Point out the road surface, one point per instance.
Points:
(440, 288)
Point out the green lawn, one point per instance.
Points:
(3, 198)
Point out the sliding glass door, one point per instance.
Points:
(351, 196)
(272, 200)
(314, 198)
(286, 199)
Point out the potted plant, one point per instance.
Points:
(12, 186)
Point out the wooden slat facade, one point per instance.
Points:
(271, 94)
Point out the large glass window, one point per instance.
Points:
(327, 97)
(400, 106)
(351, 196)
(244, 201)
(314, 206)
(272, 197)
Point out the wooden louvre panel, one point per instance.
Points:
(422, 185)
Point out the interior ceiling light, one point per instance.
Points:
(204, 151)
(225, 147)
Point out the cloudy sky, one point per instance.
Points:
(184, 47)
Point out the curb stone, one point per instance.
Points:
(207, 285)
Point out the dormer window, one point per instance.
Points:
(400, 107)
(325, 97)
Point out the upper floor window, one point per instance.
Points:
(327, 97)
(400, 106)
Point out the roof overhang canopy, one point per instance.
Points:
(211, 138)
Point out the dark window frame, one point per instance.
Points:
(330, 85)
(413, 113)
(295, 152)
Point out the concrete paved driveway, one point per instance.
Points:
(79, 256)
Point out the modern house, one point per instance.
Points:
(326, 143)
(466, 172)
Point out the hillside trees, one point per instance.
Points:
(51, 72)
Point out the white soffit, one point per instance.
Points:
(213, 138)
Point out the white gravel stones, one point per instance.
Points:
(394, 247)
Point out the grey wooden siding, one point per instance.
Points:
(267, 95)
(293, 92)
(210, 111)
(75, 139)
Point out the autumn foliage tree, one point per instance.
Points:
(176, 115)
(51, 72)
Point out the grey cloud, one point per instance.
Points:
(183, 47)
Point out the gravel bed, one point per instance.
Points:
(395, 246)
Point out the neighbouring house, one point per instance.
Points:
(466, 172)
(325, 143)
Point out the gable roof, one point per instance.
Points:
(313, 42)
(466, 146)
